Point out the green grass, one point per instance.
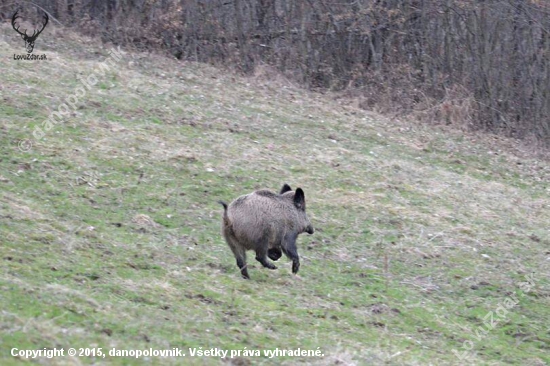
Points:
(110, 230)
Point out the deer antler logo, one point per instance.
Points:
(29, 40)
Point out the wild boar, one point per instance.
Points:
(268, 223)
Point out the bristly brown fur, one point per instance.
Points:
(268, 223)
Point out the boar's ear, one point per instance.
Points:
(300, 199)
(285, 188)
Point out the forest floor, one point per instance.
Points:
(432, 246)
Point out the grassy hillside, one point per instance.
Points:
(427, 240)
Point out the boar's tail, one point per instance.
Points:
(227, 227)
(226, 222)
(225, 218)
(224, 205)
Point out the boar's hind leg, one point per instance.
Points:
(261, 256)
(241, 263)
(240, 256)
(290, 250)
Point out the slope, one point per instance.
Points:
(432, 246)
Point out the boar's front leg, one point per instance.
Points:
(290, 250)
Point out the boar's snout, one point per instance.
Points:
(310, 230)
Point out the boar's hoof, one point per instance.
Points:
(295, 267)
(274, 254)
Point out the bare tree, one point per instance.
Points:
(486, 62)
